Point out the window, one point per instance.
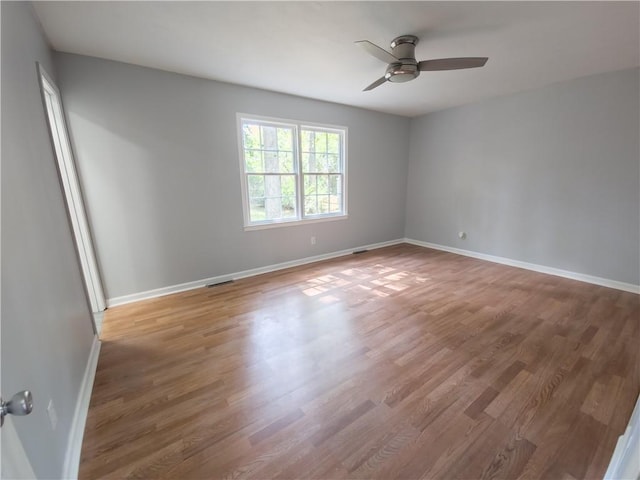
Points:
(291, 172)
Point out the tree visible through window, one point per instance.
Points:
(291, 172)
(322, 171)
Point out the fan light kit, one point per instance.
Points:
(402, 63)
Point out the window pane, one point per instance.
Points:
(273, 208)
(269, 137)
(271, 192)
(335, 185)
(288, 186)
(251, 135)
(308, 141)
(317, 163)
(253, 161)
(275, 162)
(321, 141)
(285, 139)
(288, 206)
(335, 205)
(256, 185)
(268, 149)
(256, 210)
(322, 194)
(323, 203)
(271, 161)
(286, 162)
(333, 142)
(310, 184)
(310, 205)
(311, 162)
(322, 163)
(277, 208)
(272, 197)
(333, 163)
(323, 184)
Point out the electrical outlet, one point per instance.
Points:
(313, 240)
(53, 416)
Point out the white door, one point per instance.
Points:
(13, 459)
(14, 463)
(72, 191)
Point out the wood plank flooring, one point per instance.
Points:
(401, 362)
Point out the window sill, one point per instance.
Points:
(293, 223)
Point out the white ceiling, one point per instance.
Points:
(307, 48)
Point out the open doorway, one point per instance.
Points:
(73, 196)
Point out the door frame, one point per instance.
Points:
(70, 184)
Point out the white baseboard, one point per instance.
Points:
(74, 444)
(604, 282)
(625, 461)
(159, 292)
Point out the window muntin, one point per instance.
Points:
(291, 172)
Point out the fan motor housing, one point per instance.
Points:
(401, 72)
(403, 48)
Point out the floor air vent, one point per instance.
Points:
(218, 284)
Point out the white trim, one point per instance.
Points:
(74, 443)
(159, 292)
(604, 282)
(293, 223)
(625, 461)
(290, 121)
(70, 183)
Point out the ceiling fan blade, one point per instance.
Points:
(452, 63)
(375, 84)
(376, 51)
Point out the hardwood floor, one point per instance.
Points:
(401, 362)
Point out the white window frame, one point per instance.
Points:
(297, 127)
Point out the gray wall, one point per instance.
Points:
(158, 158)
(46, 323)
(549, 177)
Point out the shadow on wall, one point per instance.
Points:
(153, 181)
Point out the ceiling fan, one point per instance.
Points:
(403, 65)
